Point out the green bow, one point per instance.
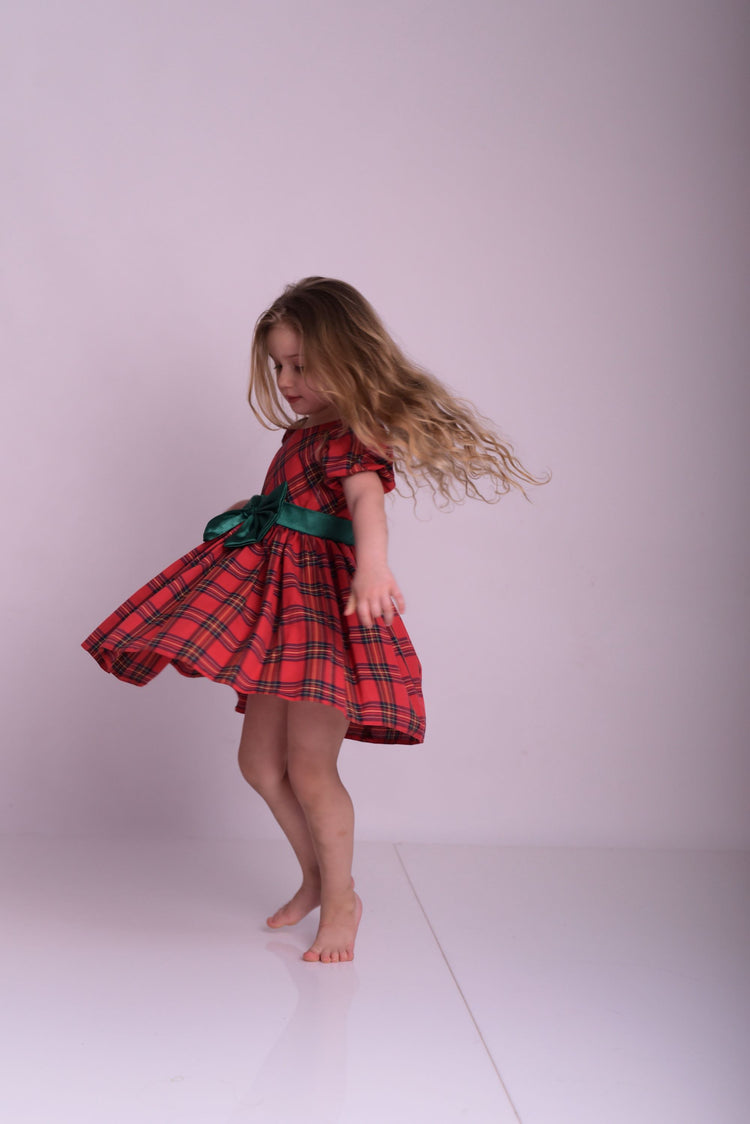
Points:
(253, 520)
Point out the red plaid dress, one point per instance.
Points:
(268, 618)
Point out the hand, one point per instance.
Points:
(372, 595)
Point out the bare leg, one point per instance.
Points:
(263, 762)
(314, 736)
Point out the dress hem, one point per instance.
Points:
(359, 729)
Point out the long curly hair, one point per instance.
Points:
(392, 405)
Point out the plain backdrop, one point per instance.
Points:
(547, 204)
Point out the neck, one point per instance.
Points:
(326, 415)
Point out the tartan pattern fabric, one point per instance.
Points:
(268, 618)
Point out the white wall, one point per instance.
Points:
(546, 202)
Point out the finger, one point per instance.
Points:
(363, 612)
(350, 606)
(386, 609)
(398, 597)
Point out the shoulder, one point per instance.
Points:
(345, 455)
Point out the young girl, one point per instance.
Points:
(290, 599)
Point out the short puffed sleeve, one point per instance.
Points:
(345, 455)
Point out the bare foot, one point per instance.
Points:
(337, 932)
(306, 899)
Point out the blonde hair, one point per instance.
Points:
(391, 405)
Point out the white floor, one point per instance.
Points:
(140, 986)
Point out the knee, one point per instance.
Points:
(309, 781)
(262, 750)
(263, 776)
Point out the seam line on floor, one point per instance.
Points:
(455, 981)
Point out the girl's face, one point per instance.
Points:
(285, 349)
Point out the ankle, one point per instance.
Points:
(338, 898)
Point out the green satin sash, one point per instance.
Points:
(259, 514)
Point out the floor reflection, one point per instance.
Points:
(304, 1075)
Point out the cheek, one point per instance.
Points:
(313, 390)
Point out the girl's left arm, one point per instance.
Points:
(374, 587)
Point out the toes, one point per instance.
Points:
(327, 956)
(277, 921)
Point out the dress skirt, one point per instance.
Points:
(267, 618)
